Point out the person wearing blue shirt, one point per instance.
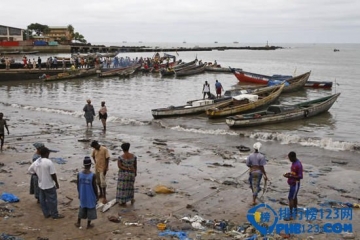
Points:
(88, 194)
(218, 88)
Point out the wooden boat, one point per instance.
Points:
(187, 72)
(243, 76)
(246, 102)
(217, 69)
(117, 71)
(296, 83)
(80, 73)
(316, 84)
(291, 85)
(183, 65)
(126, 73)
(167, 72)
(283, 113)
(195, 107)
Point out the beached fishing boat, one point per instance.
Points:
(72, 74)
(194, 107)
(283, 113)
(243, 76)
(192, 71)
(317, 84)
(167, 72)
(246, 102)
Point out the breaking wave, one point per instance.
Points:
(282, 138)
(78, 114)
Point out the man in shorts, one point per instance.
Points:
(218, 88)
(101, 158)
(294, 177)
(88, 194)
(3, 125)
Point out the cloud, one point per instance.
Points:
(195, 21)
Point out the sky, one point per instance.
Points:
(197, 21)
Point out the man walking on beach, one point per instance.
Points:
(256, 162)
(3, 125)
(101, 158)
(294, 177)
(218, 88)
(48, 183)
(88, 194)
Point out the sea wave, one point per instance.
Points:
(282, 138)
(78, 114)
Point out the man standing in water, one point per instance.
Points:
(101, 158)
(206, 90)
(294, 177)
(3, 125)
(218, 88)
(256, 162)
(89, 113)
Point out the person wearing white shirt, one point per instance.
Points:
(45, 170)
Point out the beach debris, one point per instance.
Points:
(84, 140)
(227, 182)
(2, 164)
(161, 226)
(114, 219)
(243, 148)
(132, 224)
(58, 160)
(116, 232)
(179, 234)
(23, 162)
(9, 197)
(150, 193)
(5, 236)
(108, 205)
(348, 235)
(160, 143)
(222, 165)
(339, 162)
(338, 189)
(163, 189)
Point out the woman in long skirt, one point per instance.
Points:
(89, 113)
(127, 164)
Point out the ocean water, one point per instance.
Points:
(130, 100)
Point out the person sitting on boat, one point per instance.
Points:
(218, 88)
(206, 90)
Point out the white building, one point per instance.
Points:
(11, 33)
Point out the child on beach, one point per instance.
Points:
(3, 125)
(88, 194)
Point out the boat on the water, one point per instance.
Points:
(243, 76)
(291, 85)
(246, 102)
(72, 74)
(283, 113)
(117, 71)
(192, 71)
(319, 84)
(214, 68)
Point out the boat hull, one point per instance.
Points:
(305, 110)
(268, 96)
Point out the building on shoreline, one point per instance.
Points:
(8, 33)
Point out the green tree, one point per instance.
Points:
(79, 37)
(38, 29)
(71, 30)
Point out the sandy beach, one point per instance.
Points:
(209, 180)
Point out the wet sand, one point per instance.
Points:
(188, 167)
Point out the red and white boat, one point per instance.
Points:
(243, 76)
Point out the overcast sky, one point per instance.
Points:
(197, 21)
